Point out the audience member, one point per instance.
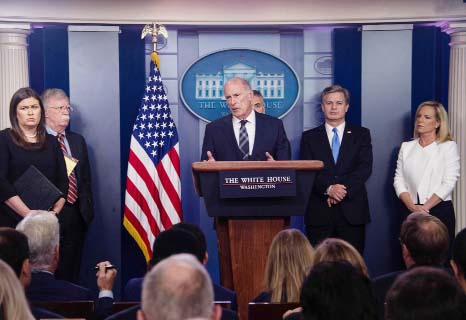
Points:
(178, 288)
(425, 293)
(220, 293)
(337, 291)
(458, 262)
(78, 211)
(13, 305)
(42, 231)
(167, 243)
(333, 249)
(424, 242)
(288, 263)
(14, 251)
(181, 238)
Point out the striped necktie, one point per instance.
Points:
(244, 139)
(72, 185)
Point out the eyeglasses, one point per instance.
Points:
(67, 108)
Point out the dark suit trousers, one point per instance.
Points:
(72, 233)
(338, 228)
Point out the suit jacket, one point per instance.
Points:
(40, 313)
(270, 137)
(44, 287)
(133, 290)
(353, 168)
(83, 174)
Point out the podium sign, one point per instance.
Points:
(257, 183)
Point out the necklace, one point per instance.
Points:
(31, 136)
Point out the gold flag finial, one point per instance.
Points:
(155, 30)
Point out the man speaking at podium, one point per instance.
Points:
(244, 134)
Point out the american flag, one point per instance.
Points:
(153, 189)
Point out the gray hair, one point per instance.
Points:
(178, 287)
(52, 93)
(43, 233)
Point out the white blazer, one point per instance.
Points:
(439, 176)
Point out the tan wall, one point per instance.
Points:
(228, 12)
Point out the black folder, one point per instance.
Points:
(36, 191)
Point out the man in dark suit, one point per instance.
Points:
(244, 134)
(78, 211)
(338, 205)
(42, 231)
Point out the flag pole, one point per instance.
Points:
(155, 31)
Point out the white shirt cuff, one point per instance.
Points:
(106, 294)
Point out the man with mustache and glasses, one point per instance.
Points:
(78, 212)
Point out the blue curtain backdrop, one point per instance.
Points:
(347, 46)
(431, 56)
(132, 84)
(48, 58)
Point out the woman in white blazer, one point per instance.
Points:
(428, 166)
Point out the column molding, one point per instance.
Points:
(457, 110)
(13, 63)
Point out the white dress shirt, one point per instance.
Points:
(250, 127)
(330, 133)
(427, 170)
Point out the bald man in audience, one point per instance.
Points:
(178, 287)
(424, 242)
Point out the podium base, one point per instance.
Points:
(243, 244)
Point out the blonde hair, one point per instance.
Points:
(13, 304)
(442, 132)
(333, 249)
(288, 263)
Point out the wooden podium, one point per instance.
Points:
(246, 226)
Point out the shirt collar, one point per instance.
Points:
(251, 118)
(53, 132)
(340, 128)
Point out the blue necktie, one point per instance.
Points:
(244, 139)
(335, 144)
